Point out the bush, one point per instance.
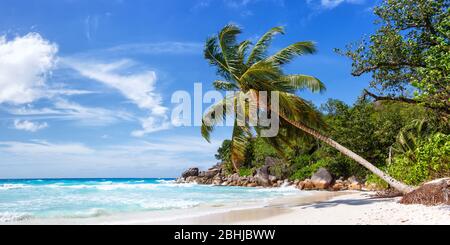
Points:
(244, 172)
(307, 171)
(373, 179)
(430, 160)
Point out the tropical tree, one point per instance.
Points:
(248, 70)
(408, 56)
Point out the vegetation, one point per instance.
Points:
(409, 55)
(394, 135)
(403, 130)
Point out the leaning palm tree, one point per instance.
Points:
(247, 69)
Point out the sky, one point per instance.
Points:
(86, 85)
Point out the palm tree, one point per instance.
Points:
(247, 69)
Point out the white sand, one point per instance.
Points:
(360, 209)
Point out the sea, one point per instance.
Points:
(29, 199)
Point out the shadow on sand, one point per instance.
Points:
(349, 202)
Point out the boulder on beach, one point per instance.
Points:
(322, 179)
(262, 176)
(433, 193)
(190, 172)
(307, 184)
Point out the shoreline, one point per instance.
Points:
(316, 208)
(203, 214)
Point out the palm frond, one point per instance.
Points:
(227, 42)
(300, 82)
(241, 56)
(261, 76)
(224, 85)
(239, 143)
(259, 51)
(215, 57)
(210, 119)
(297, 109)
(286, 55)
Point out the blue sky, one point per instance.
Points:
(86, 86)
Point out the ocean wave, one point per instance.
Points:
(104, 186)
(6, 217)
(162, 181)
(91, 213)
(13, 186)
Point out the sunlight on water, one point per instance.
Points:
(83, 198)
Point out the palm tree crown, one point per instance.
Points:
(247, 68)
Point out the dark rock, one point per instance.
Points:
(212, 173)
(190, 172)
(322, 179)
(262, 178)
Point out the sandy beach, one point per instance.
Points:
(319, 208)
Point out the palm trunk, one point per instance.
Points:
(235, 163)
(403, 188)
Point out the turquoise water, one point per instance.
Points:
(84, 198)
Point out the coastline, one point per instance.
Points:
(316, 208)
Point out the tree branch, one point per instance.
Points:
(361, 71)
(444, 110)
(389, 98)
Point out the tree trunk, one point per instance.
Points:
(235, 163)
(391, 181)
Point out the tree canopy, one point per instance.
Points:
(409, 55)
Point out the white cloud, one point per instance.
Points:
(236, 4)
(36, 148)
(151, 125)
(66, 110)
(138, 87)
(29, 126)
(330, 4)
(91, 116)
(25, 62)
(157, 48)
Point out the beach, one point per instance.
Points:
(318, 208)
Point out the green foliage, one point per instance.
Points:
(430, 160)
(410, 50)
(224, 156)
(262, 150)
(308, 170)
(224, 153)
(369, 129)
(246, 172)
(373, 179)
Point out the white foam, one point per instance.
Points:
(13, 217)
(13, 186)
(91, 213)
(105, 186)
